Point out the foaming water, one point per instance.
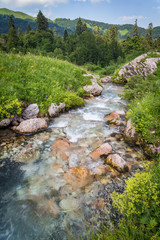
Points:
(37, 203)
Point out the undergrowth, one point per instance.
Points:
(41, 80)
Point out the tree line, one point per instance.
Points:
(81, 47)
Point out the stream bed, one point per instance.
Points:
(39, 200)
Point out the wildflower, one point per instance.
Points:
(158, 149)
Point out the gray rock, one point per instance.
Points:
(139, 67)
(31, 125)
(107, 79)
(53, 110)
(5, 122)
(117, 162)
(30, 112)
(95, 89)
(61, 107)
(130, 132)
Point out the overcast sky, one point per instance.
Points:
(108, 11)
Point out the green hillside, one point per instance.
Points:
(21, 20)
(40, 80)
(5, 11)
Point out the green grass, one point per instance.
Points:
(123, 32)
(16, 14)
(144, 107)
(41, 80)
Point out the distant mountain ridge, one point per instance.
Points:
(21, 20)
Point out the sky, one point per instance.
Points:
(108, 11)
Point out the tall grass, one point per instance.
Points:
(41, 80)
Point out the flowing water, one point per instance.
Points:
(36, 201)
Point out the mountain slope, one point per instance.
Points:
(16, 14)
(21, 20)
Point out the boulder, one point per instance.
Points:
(62, 107)
(141, 65)
(115, 116)
(117, 162)
(5, 122)
(31, 125)
(130, 132)
(79, 177)
(30, 112)
(55, 109)
(104, 149)
(107, 79)
(95, 89)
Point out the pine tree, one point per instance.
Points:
(149, 35)
(65, 35)
(12, 36)
(55, 32)
(42, 22)
(28, 28)
(79, 26)
(135, 30)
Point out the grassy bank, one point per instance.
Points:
(37, 79)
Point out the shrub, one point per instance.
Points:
(141, 200)
(145, 115)
(9, 107)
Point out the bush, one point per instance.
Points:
(145, 115)
(9, 107)
(140, 202)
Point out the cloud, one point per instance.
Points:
(25, 3)
(158, 8)
(130, 18)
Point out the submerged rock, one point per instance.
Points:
(26, 155)
(31, 112)
(60, 147)
(115, 116)
(48, 207)
(79, 177)
(69, 204)
(116, 161)
(101, 170)
(104, 149)
(31, 125)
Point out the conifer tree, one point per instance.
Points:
(42, 22)
(79, 26)
(55, 32)
(135, 30)
(149, 35)
(28, 28)
(12, 36)
(65, 35)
